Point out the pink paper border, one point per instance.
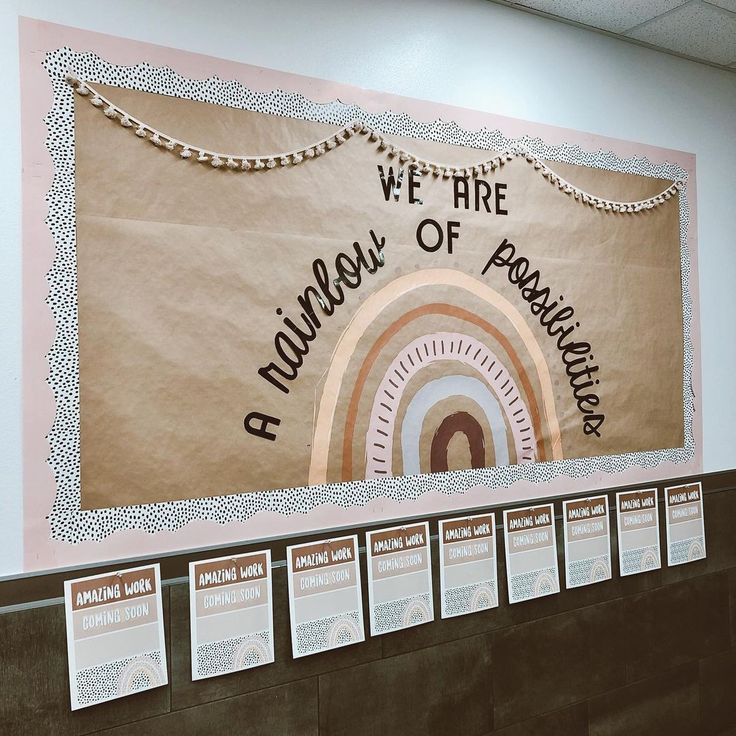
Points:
(40, 552)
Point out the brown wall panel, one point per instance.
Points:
(545, 665)
(286, 709)
(571, 721)
(442, 689)
(667, 705)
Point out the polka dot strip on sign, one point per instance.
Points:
(69, 523)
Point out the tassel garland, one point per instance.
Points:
(239, 162)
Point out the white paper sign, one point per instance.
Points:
(685, 524)
(399, 578)
(637, 516)
(115, 635)
(325, 602)
(231, 614)
(587, 541)
(531, 552)
(468, 579)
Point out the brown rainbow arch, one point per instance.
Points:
(366, 314)
(465, 424)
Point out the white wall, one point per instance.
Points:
(469, 53)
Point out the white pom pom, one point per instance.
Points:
(297, 158)
(331, 144)
(259, 165)
(309, 153)
(186, 153)
(319, 149)
(231, 163)
(284, 161)
(202, 157)
(246, 165)
(156, 140)
(110, 112)
(125, 122)
(97, 101)
(169, 145)
(270, 163)
(339, 138)
(83, 90)
(216, 161)
(141, 132)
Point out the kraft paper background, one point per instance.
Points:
(181, 269)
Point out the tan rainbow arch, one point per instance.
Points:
(366, 314)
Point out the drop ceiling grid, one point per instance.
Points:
(704, 30)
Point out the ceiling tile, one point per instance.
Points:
(727, 4)
(610, 16)
(696, 29)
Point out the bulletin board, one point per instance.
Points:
(258, 305)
